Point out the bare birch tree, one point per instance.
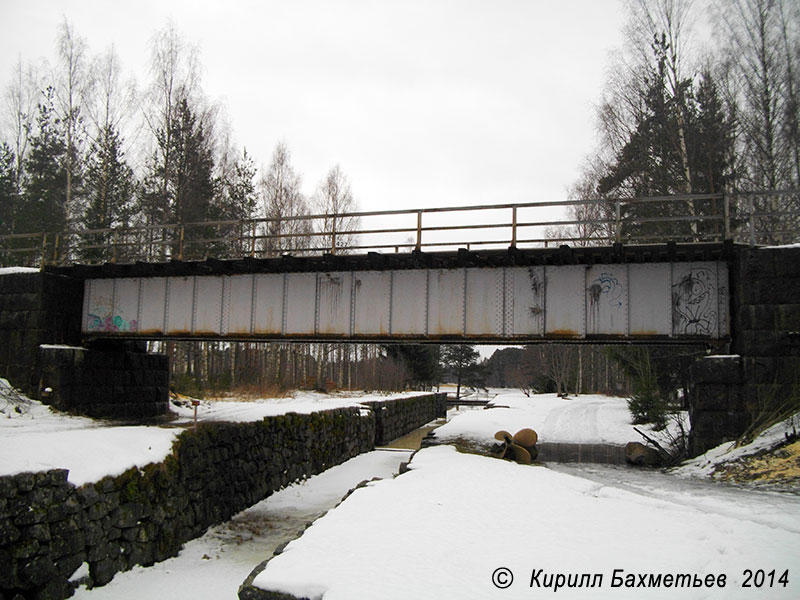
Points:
(334, 197)
(283, 202)
(73, 85)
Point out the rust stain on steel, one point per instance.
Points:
(562, 333)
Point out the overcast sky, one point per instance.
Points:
(422, 103)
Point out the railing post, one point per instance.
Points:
(752, 221)
(55, 249)
(419, 230)
(333, 234)
(726, 211)
(180, 244)
(253, 240)
(44, 249)
(114, 245)
(514, 227)
(618, 232)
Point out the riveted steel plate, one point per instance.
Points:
(268, 304)
(565, 298)
(445, 302)
(208, 305)
(334, 303)
(649, 296)
(240, 304)
(372, 302)
(484, 302)
(300, 306)
(153, 301)
(409, 302)
(607, 300)
(527, 300)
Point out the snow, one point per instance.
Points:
(61, 347)
(302, 402)
(38, 438)
(214, 565)
(442, 529)
(9, 270)
(589, 418)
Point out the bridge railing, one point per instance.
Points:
(771, 217)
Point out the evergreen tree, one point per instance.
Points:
(461, 362)
(9, 194)
(652, 162)
(43, 206)
(237, 200)
(182, 189)
(110, 186)
(421, 360)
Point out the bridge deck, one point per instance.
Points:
(562, 255)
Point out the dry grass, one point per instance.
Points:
(780, 467)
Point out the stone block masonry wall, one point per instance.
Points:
(114, 381)
(731, 392)
(395, 418)
(35, 308)
(49, 528)
(40, 323)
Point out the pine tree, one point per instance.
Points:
(237, 200)
(182, 189)
(110, 186)
(43, 206)
(461, 361)
(9, 194)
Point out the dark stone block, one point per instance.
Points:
(9, 533)
(102, 571)
(37, 572)
(8, 487)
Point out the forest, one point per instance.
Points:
(85, 148)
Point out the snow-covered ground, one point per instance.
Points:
(36, 438)
(588, 418)
(445, 529)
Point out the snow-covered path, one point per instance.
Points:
(778, 510)
(584, 419)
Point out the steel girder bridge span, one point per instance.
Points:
(674, 294)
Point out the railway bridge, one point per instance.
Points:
(72, 330)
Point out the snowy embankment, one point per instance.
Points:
(34, 438)
(446, 528)
(706, 464)
(584, 419)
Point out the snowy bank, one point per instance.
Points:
(706, 464)
(446, 528)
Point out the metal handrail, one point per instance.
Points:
(734, 216)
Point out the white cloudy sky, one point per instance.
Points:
(422, 102)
